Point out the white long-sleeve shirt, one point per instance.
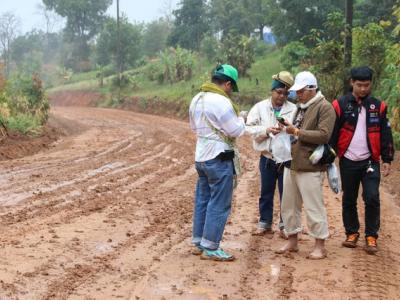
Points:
(260, 118)
(219, 112)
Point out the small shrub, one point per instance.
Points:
(262, 49)
(210, 47)
(173, 65)
(24, 123)
(295, 56)
(369, 48)
(239, 52)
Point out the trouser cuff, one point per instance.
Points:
(264, 225)
(196, 240)
(209, 244)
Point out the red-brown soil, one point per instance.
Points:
(105, 213)
(17, 145)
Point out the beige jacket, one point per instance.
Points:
(317, 129)
(261, 117)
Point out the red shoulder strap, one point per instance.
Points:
(382, 108)
(337, 108)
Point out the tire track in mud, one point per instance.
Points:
(137, 178)
(154, 235)
(262, 266)
(119, 181)
(101, 172)
(19, 177)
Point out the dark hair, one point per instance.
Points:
(363, 73)
(220, 79)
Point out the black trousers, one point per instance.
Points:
(353, 173)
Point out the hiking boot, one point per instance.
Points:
(351, 240)
(371, 246)
(217, 255)
(197, 250)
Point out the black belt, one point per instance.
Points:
(226, 155)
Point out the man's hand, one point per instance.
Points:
(386, 169)
(290, 129)
(244, 115)
(273, 130)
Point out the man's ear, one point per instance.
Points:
(351, 82)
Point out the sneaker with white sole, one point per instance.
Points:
(217, 255)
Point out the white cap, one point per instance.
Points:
(302, 80)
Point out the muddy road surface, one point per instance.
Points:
(105, 213)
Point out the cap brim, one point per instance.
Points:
(297, 87)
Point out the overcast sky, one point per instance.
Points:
(136, 10)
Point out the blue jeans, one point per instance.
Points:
(270, 173)
(212, 201)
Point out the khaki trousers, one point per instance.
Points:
(304, 188)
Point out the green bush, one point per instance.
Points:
(173, 65)
(369, 48)
(261, 48)
(154, 71)
(389, 86)
(330, 72)
(239, 52)
(23, 104)
(210, 47)
(24, 123)
(295, 56)
(127, 81)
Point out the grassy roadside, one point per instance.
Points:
(146, 94)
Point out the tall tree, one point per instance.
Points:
(131, 43)
(232, 16)
(372, 11)
(50, 19)
(155, 36)
(9, 26)
(190, 25)
(259, 13)
(291, 19)
(84, 21)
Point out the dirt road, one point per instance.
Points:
(106, 214)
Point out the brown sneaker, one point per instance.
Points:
(371, 246)
(351, 240)
(196, 250)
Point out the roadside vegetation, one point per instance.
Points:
(23, 105)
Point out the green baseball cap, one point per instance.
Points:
(229, 73)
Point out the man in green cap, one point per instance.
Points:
(216, 122)
(263, 125)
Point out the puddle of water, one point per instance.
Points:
(104, 247)
(275, 271)
(106, 167)
(234, 245)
